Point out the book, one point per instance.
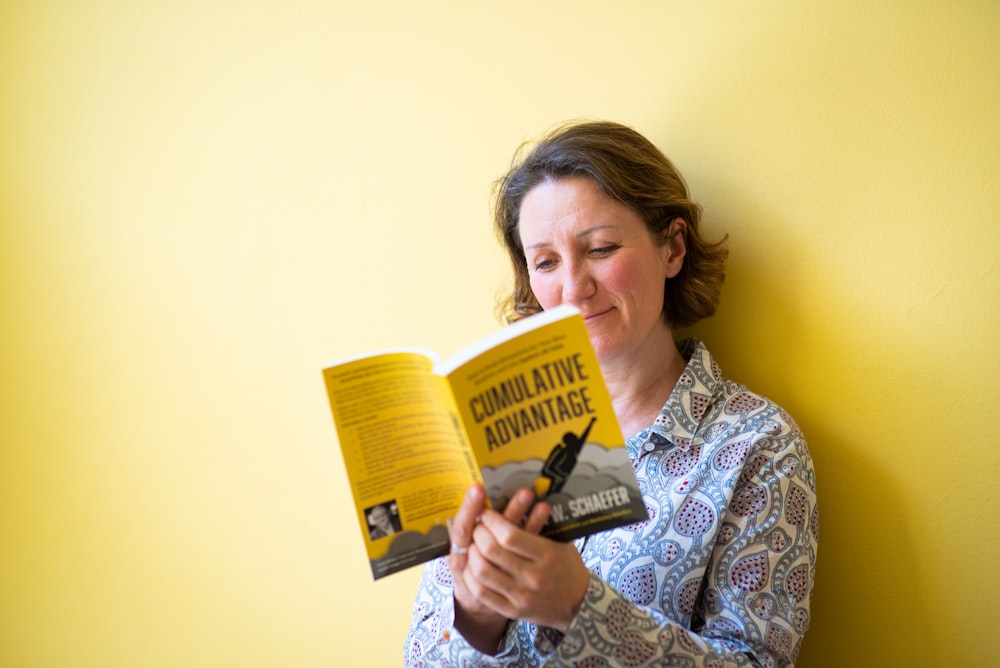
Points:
(526, 406)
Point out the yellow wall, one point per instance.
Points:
(203, 202)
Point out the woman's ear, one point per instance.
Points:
(674, 246)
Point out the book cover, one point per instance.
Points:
(524, 407)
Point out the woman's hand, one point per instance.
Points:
(521, 575)
(482, 625)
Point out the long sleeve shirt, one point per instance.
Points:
(719, 575)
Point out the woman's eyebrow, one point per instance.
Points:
(579, 235)
(593, 229)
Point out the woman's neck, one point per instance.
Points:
(640, 386)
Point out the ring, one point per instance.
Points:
(455, 549)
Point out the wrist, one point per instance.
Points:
(484, 630)
(582, 584)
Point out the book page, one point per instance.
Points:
(405, 455)
(538, 415)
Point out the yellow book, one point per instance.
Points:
(523, 407)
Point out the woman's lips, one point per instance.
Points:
(594, 315)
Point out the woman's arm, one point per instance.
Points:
(478, 617)
(749, 606)
(450, 620)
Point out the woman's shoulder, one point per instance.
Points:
(736, 405)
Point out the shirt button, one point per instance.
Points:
(648, 447)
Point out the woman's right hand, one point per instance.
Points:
(479, 624)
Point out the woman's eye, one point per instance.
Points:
(543, 265)
(605, 250)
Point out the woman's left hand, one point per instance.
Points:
(525, 576)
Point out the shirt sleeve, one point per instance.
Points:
(752, 606)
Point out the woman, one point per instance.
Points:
(721, 573)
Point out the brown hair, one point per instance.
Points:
(629, 168)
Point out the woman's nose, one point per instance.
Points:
(579, 284)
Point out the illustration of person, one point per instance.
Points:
(561, 462)
(380, 522)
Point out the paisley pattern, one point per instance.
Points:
(720, 575)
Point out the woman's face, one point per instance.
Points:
(589, 250)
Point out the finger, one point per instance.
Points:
(519, 505)
(486, 597)
(503, 543)
(461, 526)
(537, 518)
(498, 578)
(491, 565)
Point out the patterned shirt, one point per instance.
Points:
(719, 575)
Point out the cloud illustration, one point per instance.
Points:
(410, 548)
(596, 469)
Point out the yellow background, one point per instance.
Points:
(202, 203)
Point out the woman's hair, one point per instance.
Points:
(629, 168)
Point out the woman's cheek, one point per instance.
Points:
(543, 291)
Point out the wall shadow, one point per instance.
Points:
(870, 591)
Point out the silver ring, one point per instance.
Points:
(455, 549)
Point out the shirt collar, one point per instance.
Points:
(690, 401)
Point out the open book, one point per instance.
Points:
(524, 407)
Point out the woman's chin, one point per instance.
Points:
(607, 348)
